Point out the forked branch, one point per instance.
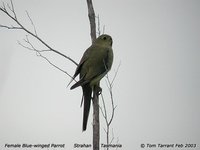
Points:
(10, 12)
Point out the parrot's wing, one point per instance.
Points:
(78, 69)
(83, 59)
(103, 68)
(80, 82)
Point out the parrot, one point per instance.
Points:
(94, 65)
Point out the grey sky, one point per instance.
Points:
(157, 89)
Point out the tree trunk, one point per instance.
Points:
(96, 125)
(96, 133)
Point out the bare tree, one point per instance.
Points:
(9, 10)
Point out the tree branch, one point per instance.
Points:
(11, 27)
(13, 17)
(39, 53)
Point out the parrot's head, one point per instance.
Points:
(104, 40)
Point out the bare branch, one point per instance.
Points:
(11, 27)
(13, 9)
(55, 65)
(31, 48)
(3, 7)
(14, 18)
(91, 15)
(39, 53)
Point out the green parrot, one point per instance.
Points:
(94, 65)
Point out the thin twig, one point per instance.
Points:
(32, 23)
(98, 28)
(55, 65)
(104, 113)
(104, 28)
(13, 9)
(112, 137)
(115, 73)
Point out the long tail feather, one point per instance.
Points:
(87, 92)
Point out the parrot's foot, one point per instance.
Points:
(99, 90)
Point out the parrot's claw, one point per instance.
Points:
(99, 90)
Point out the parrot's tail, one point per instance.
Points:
(87, 92)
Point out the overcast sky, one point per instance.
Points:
(157, 89)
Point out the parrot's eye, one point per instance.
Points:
(104, 38)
